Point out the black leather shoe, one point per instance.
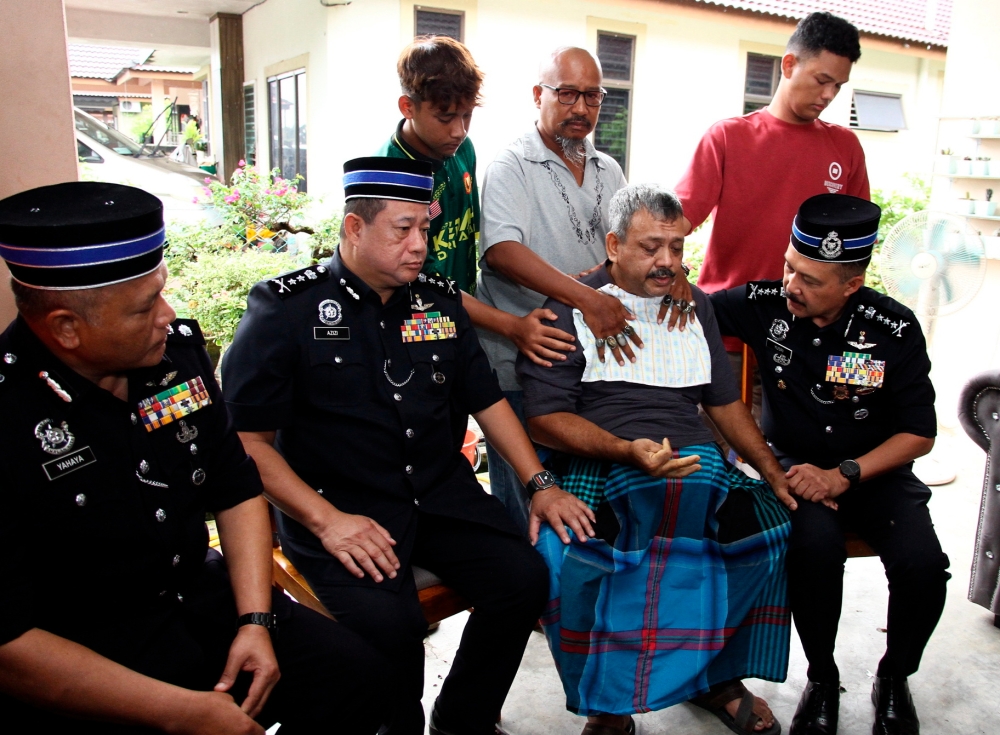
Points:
(818, 710)
(434, 727)
(894, 712)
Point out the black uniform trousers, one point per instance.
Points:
(890, 513)
(331, 680)
(504, 579)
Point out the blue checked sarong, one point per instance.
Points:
(667, 611)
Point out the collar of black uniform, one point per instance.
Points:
(412, 152)
(345, 278)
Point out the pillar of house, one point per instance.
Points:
(973, 63)
(158, 93)
(226, 87)
(37, 146)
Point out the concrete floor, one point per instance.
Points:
(953, 690)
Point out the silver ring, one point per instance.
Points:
(611, 342)
(628, 330)
(621, 339)
(687, 309)
(680, 305)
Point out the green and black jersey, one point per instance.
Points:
(451, 242)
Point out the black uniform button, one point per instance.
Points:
(10, 358)
(81, 500)
(854, 399)
(338, 359)
(409, 469)
(194, 448)
(180, 597)
(161, 515)
(829, 429)
(163, 593)
(382, 324)
(397, 397)
(989, 554)
(778, 368)
(343, 282)
(416, 502)
(143, 466)
(135, 419)
(817, 342)
(176, 560)
(435, 358)
(409, 433)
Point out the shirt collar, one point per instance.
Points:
(397, 139)
(536, 150)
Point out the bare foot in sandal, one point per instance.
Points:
(760, 709)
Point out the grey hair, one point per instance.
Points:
(662, 203)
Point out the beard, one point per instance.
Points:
(574, 150)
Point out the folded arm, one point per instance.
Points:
(54, 673)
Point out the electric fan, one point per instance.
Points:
(934, 263)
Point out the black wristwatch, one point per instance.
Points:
(852, 471)
(541, 481)
(268, 620)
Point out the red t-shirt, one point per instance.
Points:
(752, 173)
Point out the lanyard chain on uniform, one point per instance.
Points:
(385, 371)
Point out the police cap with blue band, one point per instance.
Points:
(377, 177)
(836, 228)
(81, 234)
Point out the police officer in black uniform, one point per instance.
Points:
(848, 406)
(343, 380)
(116, 616)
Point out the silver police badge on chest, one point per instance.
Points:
(779, 329)
(832, 246)
(55, 439)
(330, 312)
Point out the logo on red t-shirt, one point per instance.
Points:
(835, 171)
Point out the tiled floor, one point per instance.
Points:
(955, 690)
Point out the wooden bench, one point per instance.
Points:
(855, 544)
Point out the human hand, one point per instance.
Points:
(212, 713)
(538, 341)
(609, 320)
(779, 485)
(658, 459)
(818, 486)
(560, 509)
(251, 651)
(358, 540)
(680, 303)
(584, 274)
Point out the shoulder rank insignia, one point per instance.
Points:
(185, 331)
(444, 285)
(894, 322)
(758, 290)
(290, 283)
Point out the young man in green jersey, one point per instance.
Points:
(440, 85)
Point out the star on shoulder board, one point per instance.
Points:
(296, 281)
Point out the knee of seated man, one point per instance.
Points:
(920, 564)
(815, 541)
(523, 589)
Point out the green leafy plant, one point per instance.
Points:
(913, 196)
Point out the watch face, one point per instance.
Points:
(850, 469)
(543, 480)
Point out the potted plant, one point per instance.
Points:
(981, 166)
(965, 205)
(986, 208)
(948, 161)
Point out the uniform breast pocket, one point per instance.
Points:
(435, 366)
(338, 375)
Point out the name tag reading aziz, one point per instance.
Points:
(341, 333)
(56, 468)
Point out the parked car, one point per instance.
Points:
(106, 154)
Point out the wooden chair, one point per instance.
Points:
(855, 545)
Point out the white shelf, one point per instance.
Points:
(994, 218)
(991, 177)
(981, 136)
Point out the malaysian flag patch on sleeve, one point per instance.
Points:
(173, 404)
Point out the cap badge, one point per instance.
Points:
(54, 439)
(832, 246)
(330, 312)
(779, 329)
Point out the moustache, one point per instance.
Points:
(661, 273)
(792, 298)
(577, 119)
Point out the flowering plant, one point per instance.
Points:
(255, 207)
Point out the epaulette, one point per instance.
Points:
(892, 317)
(763, 290)
(297, 281)
(185, 332)
(439, 283)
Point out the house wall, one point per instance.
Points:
(689, 72)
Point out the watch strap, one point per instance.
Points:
(266, 619)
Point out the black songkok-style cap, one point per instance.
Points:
(81, 234)
(378, 177)
(836, 228)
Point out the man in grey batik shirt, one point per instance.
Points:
(545, 218)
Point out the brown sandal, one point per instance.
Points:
(716, 699)
(592, 728)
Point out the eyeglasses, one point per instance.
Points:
(570, 96)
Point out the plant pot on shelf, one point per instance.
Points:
(964, 206)
(963, 168)
(985, 208)
(980, 168)
(976, 127)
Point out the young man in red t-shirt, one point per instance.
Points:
(752, 172)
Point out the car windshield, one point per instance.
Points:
(114, 140)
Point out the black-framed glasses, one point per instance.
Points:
(570, 96)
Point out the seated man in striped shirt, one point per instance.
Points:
(682, 592)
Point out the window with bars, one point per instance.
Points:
(249, 123)
(287, 123)
(617, 55)
(438, 22)
(877, 111)
(763, 73)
